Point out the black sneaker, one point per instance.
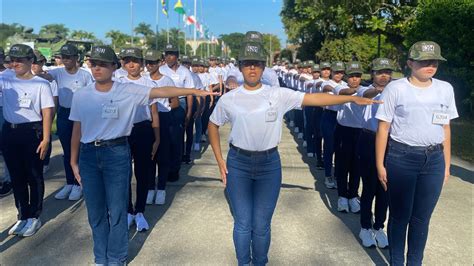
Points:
(320, 165)
(186, 159)
(6, 189)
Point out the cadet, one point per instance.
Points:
(27, 109)
(414, 122)
(144, 138)
(349, 123)
(252, 174)
(70, 79)
(181, 111)
(5, 182)
(329, 121)
(103, 115)
(372, 234)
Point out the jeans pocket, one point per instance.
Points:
(394, 152)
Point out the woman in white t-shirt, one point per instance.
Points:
(103, 115)
(414, 121)
(252, 174)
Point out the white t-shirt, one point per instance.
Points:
(369, 121)
(197, 81)
(120, 73)
(215, 73)
(182, 77)
(107, 115)
(256, 117)
(333, 84)
(411, 111)
(205, 80)
(349, 114)
(143, 113)
(270, 77)
(23, 100)
(162, 103)
(69, 83)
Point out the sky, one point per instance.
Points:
(101, 16)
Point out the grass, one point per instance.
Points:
(462, 141)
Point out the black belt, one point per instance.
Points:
(107, 143)
(146, 123)
(434, 147)
(252, 153)
(368, 131)
(28, 125)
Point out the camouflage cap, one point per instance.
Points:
(185, 59)
(297, 61)
(309, 63)
(315, 68)
(354, 67)
(382, 63)
(7, 59)
(152, 55)
(104, 53)
(252, 51)
(21, 51)
(171, 48)
(425, 50)
(202, 62)
(38, 56)
(325, 64)
(212, 57)
(338, 66)
(87, 54)
(133, 52)
(69, 49)
(253, 36)
(195, 60)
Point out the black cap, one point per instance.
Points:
(21, 51)
(69, 49)
(170, 48)
(104, 53)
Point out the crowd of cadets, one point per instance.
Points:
(343, 136)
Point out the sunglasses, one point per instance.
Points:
(250, 63)
(100, 64)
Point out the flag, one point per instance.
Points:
(164, 7)
(179, 8)
(190, 20)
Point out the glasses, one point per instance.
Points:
(100, 64)
(250, 63)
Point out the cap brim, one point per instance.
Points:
(423, 58)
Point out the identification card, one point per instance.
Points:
(271, 115)
(440, 118)
(24, 102)
(110, 111)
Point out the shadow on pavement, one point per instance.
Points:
(463, 173)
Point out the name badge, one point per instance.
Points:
(271, 115)
(110, 111)
(440, 118)
(24, 102)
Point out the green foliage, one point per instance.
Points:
(82, 35)
(234, 41)
(58, 29)
(7, 30)
(359, 47)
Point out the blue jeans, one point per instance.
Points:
(64, 132)
(328, 128)
(105, 173)
(415, 179)
(253, 186)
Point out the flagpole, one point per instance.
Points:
(156, 23)
(195, 24)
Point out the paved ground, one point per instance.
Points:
(195, 226)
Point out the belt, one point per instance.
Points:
(252, 153)
(368, 131)
(145, 123)
(107, 143)
(434, 147)
(28, 125)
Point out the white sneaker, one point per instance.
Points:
(130, 219)
(17, 227)
(305, 144)
(197, 147)
(141, 222)
(160, 197)
(32, 228)
(150, 196)
(381, 238)
(300, 135)
(354, 205)
(64, 192)
(343, 204)
(76, 193)
(45, 169)
(367, 237)
(292, 123)
(310, 154)
(329, 182)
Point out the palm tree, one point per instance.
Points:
(118, 38)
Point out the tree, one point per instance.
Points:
(119, 39)
(58, 29)
(82, 35)
(7, 30)
(144, 29)
(234, 41)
